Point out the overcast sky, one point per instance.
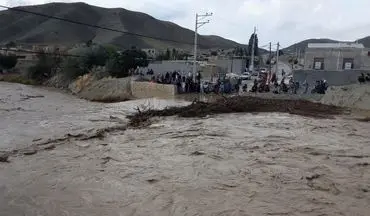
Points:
(287, 21)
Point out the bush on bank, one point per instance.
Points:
(100, 61)
(17, 78)
(7, 61)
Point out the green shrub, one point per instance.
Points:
(17, 78)
(43, 68)
(8, 61)
(73, 67)
(120, 64)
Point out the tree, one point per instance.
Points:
(255, 51)
(89, 43)
(238, 51)
(119, 65)
(245, 52)
(110, 49)
(96, 56)
(164, 56)
(214, 53)
(8, 61)
(168, 54)
(174, 54)
(73, 67)
(250, 45)
(43, 68)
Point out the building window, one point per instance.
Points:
(347, 64)
(318, 63)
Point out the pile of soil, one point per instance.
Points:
(352, 96)
(239, 104)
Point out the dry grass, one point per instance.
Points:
(17, 78)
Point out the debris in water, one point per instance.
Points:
(238, 104)
(151, 181)
(367, 119)
(30, 152)
(50, 147)
(107, 159)
(197, 153)
(363, 164)
(37, 139)
(4, 158)
(312, 177)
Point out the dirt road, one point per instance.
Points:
(234, 164)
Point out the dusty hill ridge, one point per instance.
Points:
(29, 28)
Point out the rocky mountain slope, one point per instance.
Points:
(32, 29)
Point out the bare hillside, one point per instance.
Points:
(29, 28)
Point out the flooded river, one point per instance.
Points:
(234, 164)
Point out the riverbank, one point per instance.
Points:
(110, 90)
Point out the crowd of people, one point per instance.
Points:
(287, 87)
(363, 78)
(187, 83)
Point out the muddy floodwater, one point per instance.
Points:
(234, 164)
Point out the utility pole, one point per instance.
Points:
(232, 63)
(253, 45)
(198, 23)
(277, 59)
(270, 68)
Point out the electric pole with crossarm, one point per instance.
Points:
(198, 23)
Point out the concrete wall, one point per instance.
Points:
(162, 67)
(210, 71)
(149, 90)
(223, 65)
(227, 65)
(333, 58)
(106, 89)
(333, 78)
(184, 67)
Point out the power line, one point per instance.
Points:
(41, 53)
(95, 26)
(56, 54)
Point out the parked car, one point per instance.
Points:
(246, 76)
(254, 75)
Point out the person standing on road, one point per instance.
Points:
(305, 85)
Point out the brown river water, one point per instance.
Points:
(234, 164)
